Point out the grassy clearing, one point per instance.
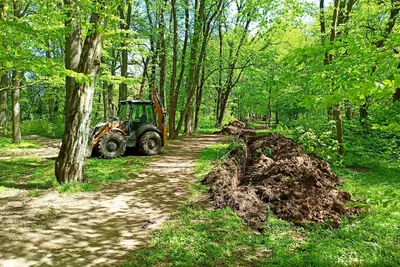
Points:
(7, 144)
(36, 174)
(198, 237)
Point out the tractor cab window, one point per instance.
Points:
(143, 113)
(123, 113)
(139, 113)
(150, 113)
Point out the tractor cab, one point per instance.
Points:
(137, 116)
(140, 123)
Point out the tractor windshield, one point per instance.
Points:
(143, 113)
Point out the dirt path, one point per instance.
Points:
(49, 149)
(97, 229)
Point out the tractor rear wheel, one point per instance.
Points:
(111, 146)
(150, 143)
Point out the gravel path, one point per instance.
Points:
(97, 229)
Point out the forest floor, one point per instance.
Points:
(97, 228)
(33, 146)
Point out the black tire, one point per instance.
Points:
(111, 146)
(150, 143)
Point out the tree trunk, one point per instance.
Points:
(339, 130)
(3, 83)
(349, 111)
(3, 104)
(191, 83)
(144, 74)
(16, 107)
(125, 25)
(269, 107)
(396, 95)
(230, 82)
(199, 96)
(163, 55)
(70, 161)
(173, 94)
(106, 101)
(73, 50)
(220, 67)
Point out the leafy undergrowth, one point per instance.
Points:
(37, 174)
(208, 237)
(7, 143)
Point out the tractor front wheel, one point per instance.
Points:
(150, 143)
(111, 146)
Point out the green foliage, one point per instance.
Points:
(43, 128)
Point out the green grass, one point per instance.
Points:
(207, 130)
(199, 237)
(37, 174)
(7, 143)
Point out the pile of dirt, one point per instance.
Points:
(236, 127)
(273, 172)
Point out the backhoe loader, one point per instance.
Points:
(140, 124)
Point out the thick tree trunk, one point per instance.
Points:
(70, 161)
(173, 95)
(16, 107)
(73, 50)
(4, 80)
(3, 104)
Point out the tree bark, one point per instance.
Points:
(163, 54)
(16, 90)
(16, 107)
(269, 107)
(339, 130)
(125, 25)
(199, 96)
(73, 49)
(106, 109)
(191, 82)
(70, 162)
(3, 103)
(4, 80)
(230, 82)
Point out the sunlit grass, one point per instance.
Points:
(37, 174)
(7, 144)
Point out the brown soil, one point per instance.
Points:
(237, 128)
(97, 229)
(273, 172)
